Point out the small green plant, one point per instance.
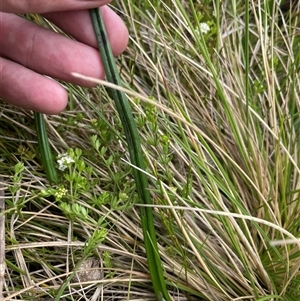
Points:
(90, 246)
(17, 177)
(213, 87)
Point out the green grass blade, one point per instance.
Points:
(44, 146)
(136, 156)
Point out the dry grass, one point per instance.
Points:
(219, 119)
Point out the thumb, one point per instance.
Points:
(45, 6)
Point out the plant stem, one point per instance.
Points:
(136, 157)
(44, 146)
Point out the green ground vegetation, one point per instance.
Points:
(214, 88)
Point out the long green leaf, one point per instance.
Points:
(136, 157)
(44, 147)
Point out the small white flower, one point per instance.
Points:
(64, 161)
(69, 160)
(204, 28)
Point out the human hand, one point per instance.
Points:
(28, 51)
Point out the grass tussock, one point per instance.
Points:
(218, 115)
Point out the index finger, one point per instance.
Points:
(44, 6)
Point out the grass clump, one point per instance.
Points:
(218, 115)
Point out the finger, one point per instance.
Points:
(72, 21)
(46, 52)
(39, 6)
(57, 56)
(25, 88)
